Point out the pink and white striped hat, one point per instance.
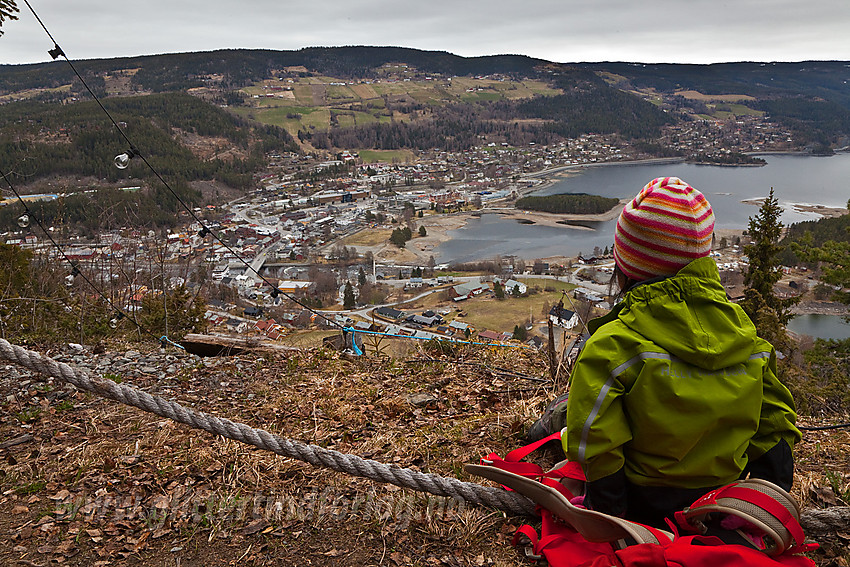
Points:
(663, 229)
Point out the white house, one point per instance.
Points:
(566, 318)
(510, 285)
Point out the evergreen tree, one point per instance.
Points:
(400, 236)
(7, 11)
(516, 292)
(361, 277)
(520, 333)
(422, 231)
(348, 299)
(764, 271)
(497, 289)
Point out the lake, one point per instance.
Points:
(820, 326)
(795, 179)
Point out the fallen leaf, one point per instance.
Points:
(61, 495)
(255, 526)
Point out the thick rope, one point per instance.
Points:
(497, 498)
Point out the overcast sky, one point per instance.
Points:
(675, 31)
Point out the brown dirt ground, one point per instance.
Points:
(104, 484)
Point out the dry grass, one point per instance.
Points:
(367, 237)
(696, 95)
(104, 484)
(130, 487)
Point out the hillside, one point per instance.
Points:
(52, 147)
(86, 481)
(346, 98)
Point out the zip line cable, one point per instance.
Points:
(823, 427)
(134, 152)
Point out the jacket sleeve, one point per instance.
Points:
(597, 427)
(769, 453)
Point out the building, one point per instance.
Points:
(253, 311)
(389, 313)
(466, 290)
(490, 336)
(287, 286)
(511, 284)
(563, 317)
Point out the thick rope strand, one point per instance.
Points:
(497, 498)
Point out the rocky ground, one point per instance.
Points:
(85, 481)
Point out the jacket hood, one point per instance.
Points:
(689, 316)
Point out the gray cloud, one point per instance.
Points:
(678, 31)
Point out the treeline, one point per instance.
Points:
(836, 228)
(601, 110)
(811, 98)
(568, 203)
(90, 214)
(822, 230)
(731, 158)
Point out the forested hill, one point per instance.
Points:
(38, 141)
(392, 98)
(827, 80)
(177, 71)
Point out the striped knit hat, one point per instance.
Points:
(663, 229)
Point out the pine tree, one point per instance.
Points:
(498, 290)
(7, 11)
(764, 271)
(348, 299)
(361, 277)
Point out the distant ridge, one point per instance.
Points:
(826, 80)
(182, 70)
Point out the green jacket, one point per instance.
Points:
(675, 389)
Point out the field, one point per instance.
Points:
(30, 93)
(308, 103)
(502, 315)
(707, 97)
(485, 312)
(732, 110)
(386, 156)
(371, 237)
